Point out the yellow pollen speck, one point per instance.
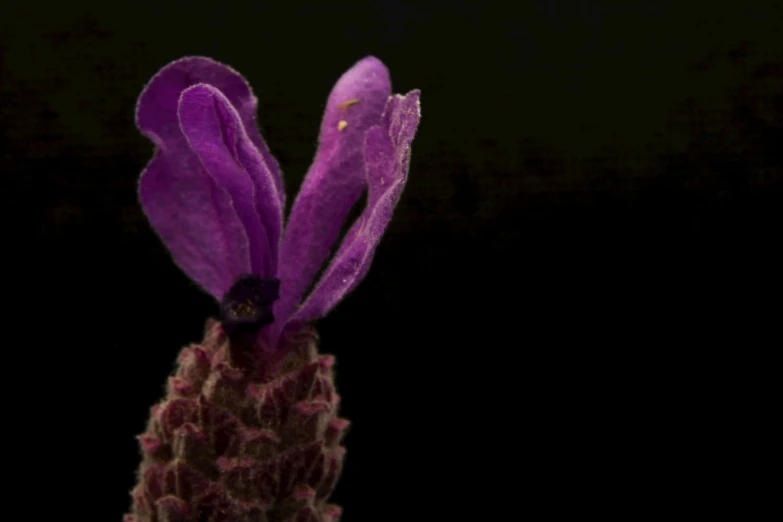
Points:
(383, 182)
(341, 125)
(346, 104)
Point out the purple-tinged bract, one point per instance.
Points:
(248, 430)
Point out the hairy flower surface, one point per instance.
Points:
(249, 430)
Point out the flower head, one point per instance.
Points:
(214, 193)
(247, 434)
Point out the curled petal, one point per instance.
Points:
(195, 219)
(387, 150)
(215, 133)
(191, 212)
(156, 112)
(335, 180)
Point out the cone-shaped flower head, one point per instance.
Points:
(249, 430)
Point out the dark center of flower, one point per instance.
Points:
(247, 306)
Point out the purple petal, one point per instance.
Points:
(215, 133)
(195, 218)
(190, 211)
(387, 152)
(335, 180)
(156, 110)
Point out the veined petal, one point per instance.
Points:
(335, 180)
(156, 110)
(387, 150)
(214, 131)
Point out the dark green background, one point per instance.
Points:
(588, 236)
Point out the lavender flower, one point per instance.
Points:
(248, 430)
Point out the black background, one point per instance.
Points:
(587, 239)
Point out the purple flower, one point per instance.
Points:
(215, 196)
(248, 429)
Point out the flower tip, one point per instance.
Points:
(198, 93)
(160, 94)
(355, 103)
(374, 63)
(368, 72)
(166, 75)
(370, 59)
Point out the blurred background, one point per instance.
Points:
(588, 238)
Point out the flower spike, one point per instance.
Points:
(249, 428)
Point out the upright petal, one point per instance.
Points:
(190, 211)
(215, 133)
(387, 150)
(195, 219)
(154, 115)
(335, 180)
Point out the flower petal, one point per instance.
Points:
(335, 180)
(215, 133)
(156, 112)
(194, 217)
(190, 211)
(387, 150)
